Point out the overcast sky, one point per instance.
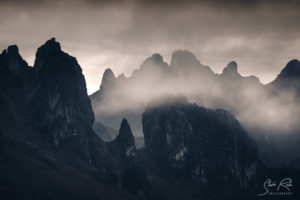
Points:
(260, 35)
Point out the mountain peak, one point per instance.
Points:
(186, 62)
(14, 61)
(107, 78)
(231, 70)
(51, 47)
(152, 67)
(182, 58)
(13, 49)
(291, 70)
(62, 97)
(52, 44)
(125, 136)
(157, 57)
(108, 73)
(156, 60)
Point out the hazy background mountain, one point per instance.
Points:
(268, 112)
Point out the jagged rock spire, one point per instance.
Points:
(108, 79)
(125, 137)
(61, 99)
(12, 61)
(185, 62)
(231, 70)
(291, 70)
(155, 61)
(182, 58)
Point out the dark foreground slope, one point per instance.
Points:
(48, 147)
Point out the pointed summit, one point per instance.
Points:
(50, 46)
(291, 70)
(184, 62)
(108, 79)
(13, 50)
(50, 50)
(155, 61)
(157, 58)
(61, 99)
(289, 77)
(12, 60)
(125, 137)
(123, 145)
(180, 58)
(231, 70)
(152, 68)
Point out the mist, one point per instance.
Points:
(260, 108)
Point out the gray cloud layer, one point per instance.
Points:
(261, 35)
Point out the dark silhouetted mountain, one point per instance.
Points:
(124, 142)
(230, 70)
(209, 147)
(48, 147)
(125, 138)
(49, 150)
(12, 61)
(60, 100)
(291, 70)
(289, 79)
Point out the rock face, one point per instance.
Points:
(12, 61)
(230, 70)
(185, 75)
(185, 62)
(125, 138)
(207, 146)
(48, 147)
(289, 78)
(153, 65)
(108, 79)
(291, 70)
(62, 105)
(124, 142)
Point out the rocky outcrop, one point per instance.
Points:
(108, 80)
(123, 144)
(289, 79)
(183, 61)
(208, 146)
(134, 175)
(11, 61)
(60, 99)
(153, 65)
(47, 144)
(230, 71)
(291, 70)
